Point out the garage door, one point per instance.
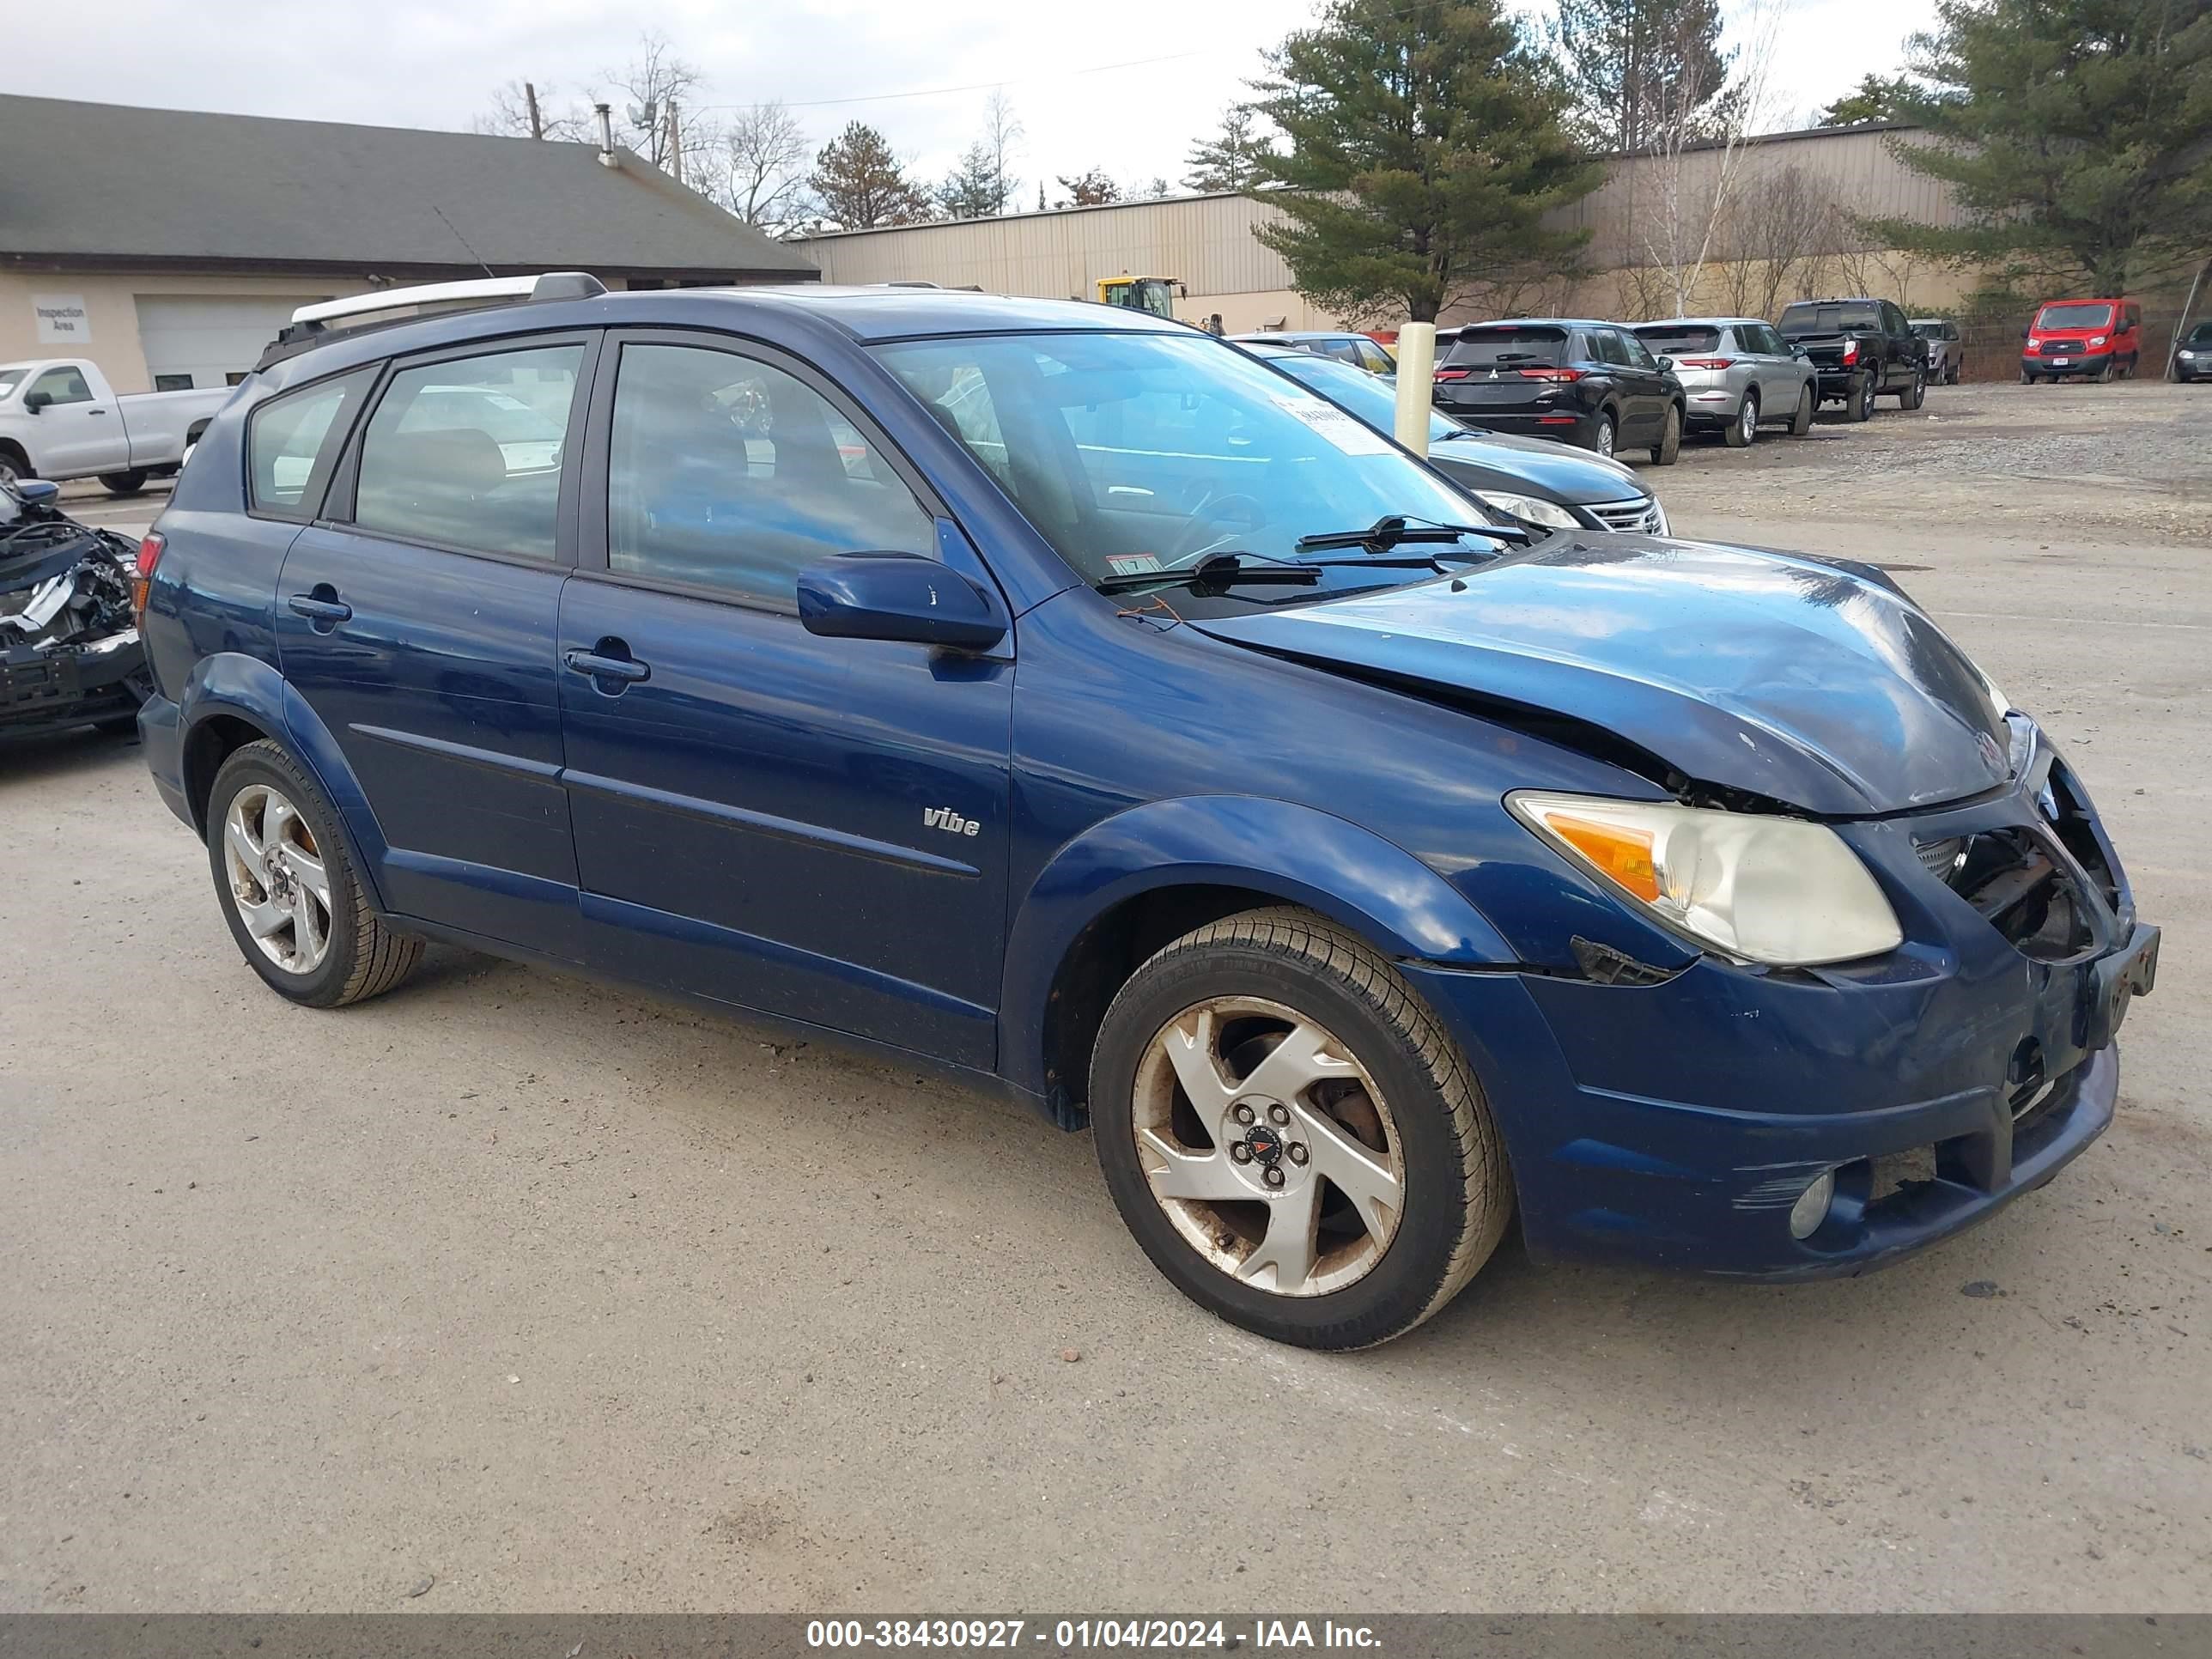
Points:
(206, 339)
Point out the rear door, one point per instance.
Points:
(416, 619)
(816, 828)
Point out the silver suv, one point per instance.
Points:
(1946, 351)
(1737, 375)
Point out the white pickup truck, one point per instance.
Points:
(60, 419)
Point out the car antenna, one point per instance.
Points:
(462, 239)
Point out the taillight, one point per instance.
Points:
(1560, 376)
(1451, 374)
(1705, 362)
(150, 555)
(1850, 351)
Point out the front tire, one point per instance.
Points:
(288, 889)
(1916, 394)
(1670, 446)
(1801, 422)
(1744, 427)
(123, 483)
(1293, 1139)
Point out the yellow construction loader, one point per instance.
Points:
(1154, 293)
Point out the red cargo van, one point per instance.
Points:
(2100, 339)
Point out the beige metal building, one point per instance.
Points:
(1651, 213)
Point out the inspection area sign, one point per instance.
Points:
(62, 320)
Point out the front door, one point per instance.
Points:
(815, 828)
(416, 619)
(1644, 385)
(78, 433)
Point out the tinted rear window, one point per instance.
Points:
(1675, 341)
(1490, 348)
(2074, 317)
(1830, 318)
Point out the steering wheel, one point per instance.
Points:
(1187, 545)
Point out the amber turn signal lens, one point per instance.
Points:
(1621, 854)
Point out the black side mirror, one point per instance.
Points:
(35, 401)
(897, 596)
(1666, 363)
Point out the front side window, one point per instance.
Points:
(466, 454)
(292, 441)
(62, 385)
(727, 473)
(1139, 452)
(1639, 354)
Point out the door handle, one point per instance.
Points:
(95, 411)
(317, 609)
(593, 665)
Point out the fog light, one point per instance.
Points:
(1811, 1208)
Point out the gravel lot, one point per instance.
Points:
(557, 1296)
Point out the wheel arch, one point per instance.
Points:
(232, 699)
(1132, 882)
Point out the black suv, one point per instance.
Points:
(1863, 350)
(1586, 383)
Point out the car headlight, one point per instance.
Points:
(2188, 356)
(2035, 345)
(1777, 891)
(1529, 509)
(2096, 339)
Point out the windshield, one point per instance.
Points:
(2201, 334)
(2074, 317)
(1366, 397)
(1131, 452)
(1829, 318)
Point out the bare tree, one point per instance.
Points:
(1700, 151)
(642, 92)
(512, 115)
(1779, 225)
(769, 158)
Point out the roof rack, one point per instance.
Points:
(311, 322)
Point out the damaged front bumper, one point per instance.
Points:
(70, 651)
(53, 687)
(1677, 1123)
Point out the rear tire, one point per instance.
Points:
(1670, 446)
(14, 469)
(362, 956)
(1801, 422)
(1390, 1101)
(123, 483)
(1860, 404)
(1602, 435)
(1744, 427)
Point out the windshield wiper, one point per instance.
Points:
(1217, 570)
(1391, 529)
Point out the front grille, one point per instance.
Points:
(2064, 348)
(1640, 514)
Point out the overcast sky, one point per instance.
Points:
(1092, 85)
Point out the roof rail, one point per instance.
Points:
(549, 285)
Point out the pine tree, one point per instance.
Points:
(1426, 145)
(2077, 134)
(1234, 159)
(861, 183)
(1639, 67)
(1876, 98)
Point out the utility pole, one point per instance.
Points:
(675, 144)
(529, 97)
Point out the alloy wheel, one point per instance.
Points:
(1746, 416)
(277, 878)
(1268, 1146)
(1604, 444)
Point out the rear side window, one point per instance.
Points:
(1508, 348)
(727, 473)
(1674, 342)
(292, 442)
(466, 454)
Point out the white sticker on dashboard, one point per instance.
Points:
(1333, 424)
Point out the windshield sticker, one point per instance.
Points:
(1333, 424)
(1132, 564)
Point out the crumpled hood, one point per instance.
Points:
(1806, 681)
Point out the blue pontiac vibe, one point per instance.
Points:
(1061, 695)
